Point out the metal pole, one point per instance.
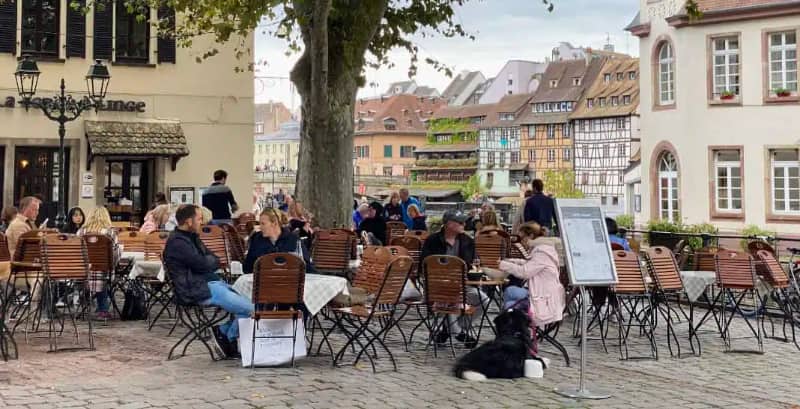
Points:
(62, 200)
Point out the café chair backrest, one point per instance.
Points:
(279, 279)
(395, 229)
(444, 280)
(5, 254)
(100, 249)
(771, 269)
(154, 244)
(65, 257)
(132, 241)
(630, 278)
(735, 270)
(664, 269)
(214, 239)
(491, 247)
(394, 279)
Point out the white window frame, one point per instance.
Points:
(551, 131)
(551, 155)
(728, 166)
(670, 172)
(784, 62)
(728, 80)
(567, 156)
(785, 166)
(666, 74)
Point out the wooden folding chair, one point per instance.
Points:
(245, 224)
(236, 247)
(736, 274)
(420, 234)
(331, 252)
(157, 292)
(633, 297)
(516, 249)
(26, 264)
(491, 246)
(414, 246)
(704, 259)
(784, 290)
(667, 294)
(102, 263)
(5, 254)
(395, 229)
(278, 288)
(382, 310)
(8, 347)
(65, 258)
(214, 239)
(754, 246)
(446, 294)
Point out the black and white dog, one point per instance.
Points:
(507, 356)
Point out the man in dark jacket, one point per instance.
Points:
(219, 199)
(539, 207)
(375, 223)
(452, 241)
(192, 268)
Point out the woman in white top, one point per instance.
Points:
(99, 222)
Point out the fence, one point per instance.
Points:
(729, 241)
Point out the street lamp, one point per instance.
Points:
(62, 108)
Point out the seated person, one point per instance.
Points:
(541, 271)
(613, 234)
(273, 238)
(452, 241)
(489, 221)
(374, 223)
(193, 271)
(418, 220)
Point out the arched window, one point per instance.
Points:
(668, 187)
(666, 74)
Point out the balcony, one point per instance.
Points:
(465, 163)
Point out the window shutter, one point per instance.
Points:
(76, 30)
(166, 43)
(8, 26)
(103, 31)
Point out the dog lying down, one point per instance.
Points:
(507, 356)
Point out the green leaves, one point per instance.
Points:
(561, 184)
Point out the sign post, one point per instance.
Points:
(589, 263)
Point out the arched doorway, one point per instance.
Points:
(668, 194)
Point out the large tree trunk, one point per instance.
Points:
(336, 34)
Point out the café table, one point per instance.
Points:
(318, 291)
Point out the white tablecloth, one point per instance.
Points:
(148, 268)
(319, 289)
(696, 282)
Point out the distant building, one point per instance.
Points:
(388, 130)
(500, 164)
(606, 129)
(462, 87)
(278, 150)
(516, 77)
(547, 135)
(270, 116)
(410, 87)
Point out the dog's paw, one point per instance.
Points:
(534, 368)
(473, 376)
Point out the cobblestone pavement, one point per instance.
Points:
(128, 370)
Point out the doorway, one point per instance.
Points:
(36, 173)
(127, 188)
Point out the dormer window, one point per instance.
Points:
(607, 77)
(589, 103)
(390, 124)
(614, 101)
(620, 76)
(506, 116)
(626, 100)
(601, 101)
(553, 83)
(631, 75)
(576, 81)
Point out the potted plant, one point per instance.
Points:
(782, 92)
(727, 95)
(659, 233)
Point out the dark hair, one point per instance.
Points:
(8, 214)
(378, 207)
(184, 213)
(538, 185)
(161, 198)
(70, 226)
(528, 193)
(611, 226)
(219, 175)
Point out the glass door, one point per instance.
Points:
(36, 173)
(127, 189)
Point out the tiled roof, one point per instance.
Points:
(564, 72)
(461, 147)
(136, 138)
(515, 103)
(409, 111)
(613, 88)
(457, 86)
(533, 118)
(724, 5)
(463, 111)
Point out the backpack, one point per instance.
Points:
(135, 306)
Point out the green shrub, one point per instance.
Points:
(753, 230)
(697, 242)
(666, 226)
(625, 221)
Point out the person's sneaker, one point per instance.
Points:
(442, 337)
(468, 341)
(224, 344)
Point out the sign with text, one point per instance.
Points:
(107, 105)
(583, 231)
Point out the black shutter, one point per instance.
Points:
(166, 41)
(103, 31)
(76, 30)
(8, 26)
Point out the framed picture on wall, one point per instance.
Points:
(181, 194)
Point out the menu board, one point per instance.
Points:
(583, 232)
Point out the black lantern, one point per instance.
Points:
(27, 76)
(97, 81)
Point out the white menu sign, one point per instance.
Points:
(583, 231)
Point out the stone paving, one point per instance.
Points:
(128, 370)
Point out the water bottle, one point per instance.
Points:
(299, 249)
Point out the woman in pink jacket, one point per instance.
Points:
(541, 270)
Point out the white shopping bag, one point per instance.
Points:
(236, 268)
(271, 351)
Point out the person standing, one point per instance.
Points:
(540, 208)
(193, 269)
(405, 201)
(219, 199)
(23, 223)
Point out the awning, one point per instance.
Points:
(138, 139)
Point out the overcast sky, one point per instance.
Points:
(504, 30)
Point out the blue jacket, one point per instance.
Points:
(406, 218)
(613, 238)
(260, 245)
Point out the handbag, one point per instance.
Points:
(135, 305)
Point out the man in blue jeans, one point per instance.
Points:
(193, 271)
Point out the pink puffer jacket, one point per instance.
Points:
(546, 292)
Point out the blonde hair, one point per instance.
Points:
(531, 231)
(98, 220)
(274, 215)
(415, 209)
(161, 214)
(296, 210)
(489, 219)
(207, 215)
